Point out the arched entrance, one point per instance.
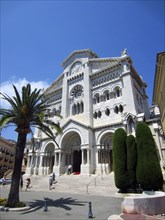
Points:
(105, 153)
(71, 148)
(48, 160)
(76, 160)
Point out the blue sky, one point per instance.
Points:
(36, 36)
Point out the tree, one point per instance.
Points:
(27, 111)
(120, 160)
(131, 160)
(148, 171)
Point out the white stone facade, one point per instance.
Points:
(95, 96)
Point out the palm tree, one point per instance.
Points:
(27, 111)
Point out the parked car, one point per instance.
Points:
(5, 181)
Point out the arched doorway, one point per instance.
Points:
(105, 153)
(76, 160)
(71, 148)
(48, 160)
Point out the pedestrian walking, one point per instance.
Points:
(3, 181)
(50, 182)
(53, 177)
(27, 183)
(21, 183)
(69, 169)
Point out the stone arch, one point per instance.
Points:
(105, 158)
(71, 150)
(49, 157)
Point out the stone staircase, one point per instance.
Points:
(78, 184)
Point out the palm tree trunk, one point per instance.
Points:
(13, 197)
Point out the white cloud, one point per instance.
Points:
(7, 88)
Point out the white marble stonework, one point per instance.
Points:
(95, 96)
(149, 203)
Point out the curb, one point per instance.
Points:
(6, 209)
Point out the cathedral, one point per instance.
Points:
(94, 96)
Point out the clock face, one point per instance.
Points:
(76, 67)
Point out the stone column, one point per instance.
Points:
(55, 159)
(82, 156)
(41, 165)
(97, 155)
(87, 156)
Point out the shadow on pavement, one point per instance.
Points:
(63, 203)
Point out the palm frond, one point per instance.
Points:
(5, 120)
(54, 125)
(45, 129)
(17, 98)
(9, 100)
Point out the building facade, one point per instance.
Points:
(7, 155)
(95, 96)
(159, 86)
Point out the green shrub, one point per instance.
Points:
(120, 159)
(131, 160)
(148, 171)
(16, 205)
(3, 201)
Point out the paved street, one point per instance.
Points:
(63, 206)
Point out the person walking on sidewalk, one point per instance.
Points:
(50, 182)
(27, 183)
(21, 183)
(53, 177)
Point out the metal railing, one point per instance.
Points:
(93, 180)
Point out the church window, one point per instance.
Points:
(131, 125)
(81, 107)
(99, 114)
(117, 91)
(97, 96)
(116, 109)
(74, 109)
(120, 108)
(77, 108)
(95, 115)
(107, 95)
(107, 112)
(77, 91)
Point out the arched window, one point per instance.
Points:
(131, 125)
(97, 98)
(95, 115)
(106, 95)
(99, 114)
(116, 109)
(107, 112)
(117, 92)
(81, 107)
(78, 108)
(74, 109)
(120, 108)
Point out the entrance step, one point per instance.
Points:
(79, 184)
